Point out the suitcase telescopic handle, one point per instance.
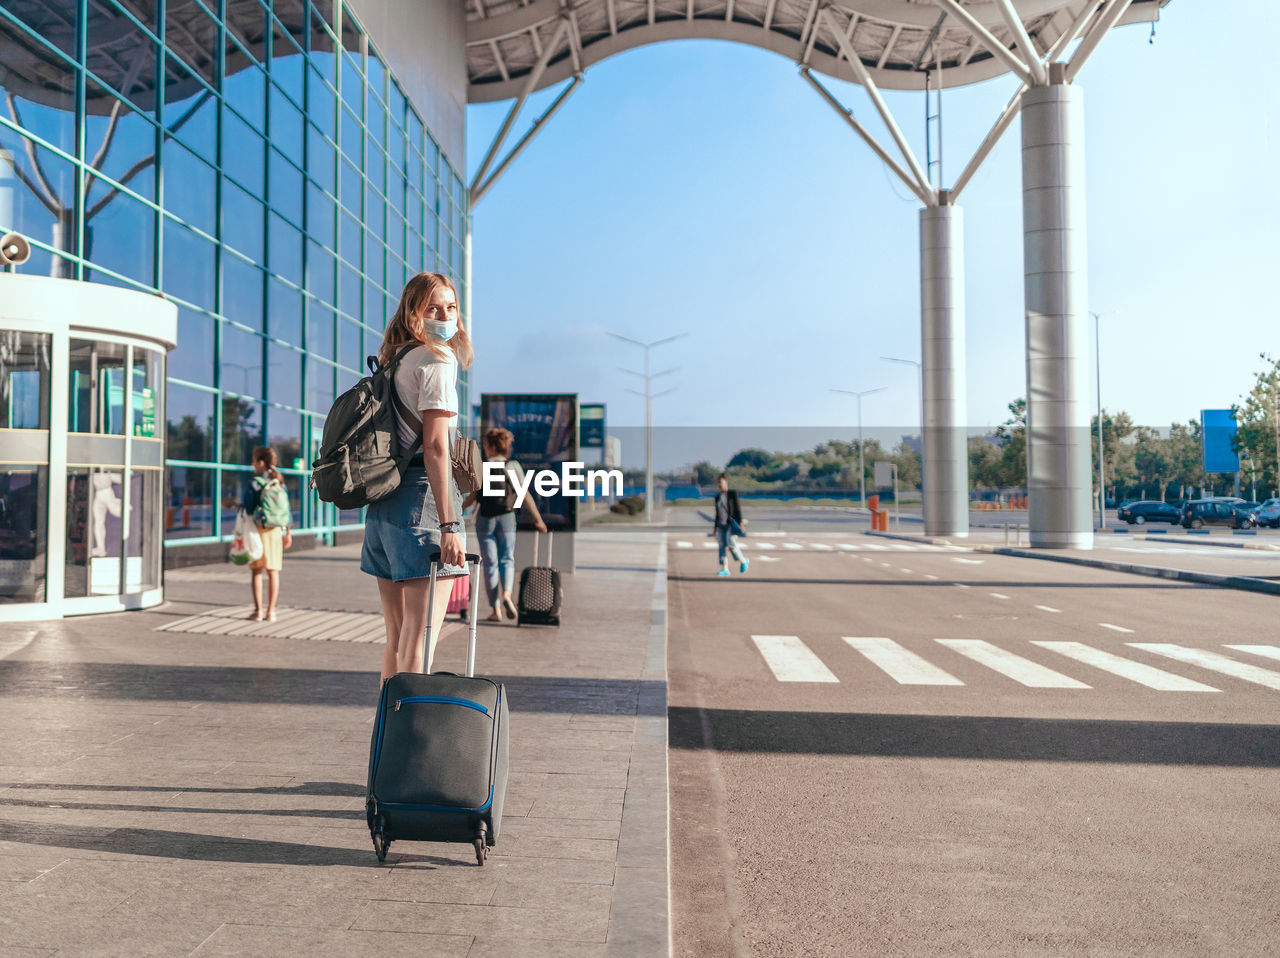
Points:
(474, 574)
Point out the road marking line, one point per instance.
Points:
(822, 546)
(1047, 608)
(849, 545)
(871, 545)
(1214, 662)
(791, 660)
(902, 548)
(1270, 651)
(907, 571)
(968, 561)
(708, 545)
(766, 545)
(885, 564)
(900, 664)
(681, 544)
(959, 585)
(1115, 628)
(767, 559)
(1021, 670)
(792, 545)
(929, 575)
(997, 595)
(1126, 668)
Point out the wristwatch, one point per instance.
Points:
(450, 526)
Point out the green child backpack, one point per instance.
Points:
(273, 505)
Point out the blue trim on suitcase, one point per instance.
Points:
(443, 700)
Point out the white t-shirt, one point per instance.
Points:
(426, 379)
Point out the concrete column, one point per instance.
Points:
(946, 454)
(1054, 265)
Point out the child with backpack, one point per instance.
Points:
(267, 502)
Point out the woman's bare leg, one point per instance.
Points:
(409, 645)
(392, 596)
(413, 657)
(443, 588)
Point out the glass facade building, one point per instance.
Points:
(257, 164)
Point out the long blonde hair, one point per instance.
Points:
(406, 324)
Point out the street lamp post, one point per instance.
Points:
(919, 385)
(649, 396)
(1097, 353)
(862, 475)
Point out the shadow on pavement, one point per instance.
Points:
(186, 845)
(198, 683)
(977, 737)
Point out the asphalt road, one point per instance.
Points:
(983, 795)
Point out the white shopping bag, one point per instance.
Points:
(246, 543)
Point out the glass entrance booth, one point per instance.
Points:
(82, 376)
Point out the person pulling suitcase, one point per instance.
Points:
(440, 752)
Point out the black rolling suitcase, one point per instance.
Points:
(438, 760)
(539, 600)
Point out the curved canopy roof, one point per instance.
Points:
(898, 41)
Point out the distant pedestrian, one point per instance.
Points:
(728, 524)
(267, 504)
(423, 516)
(496, 525)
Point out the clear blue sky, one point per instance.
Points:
(703, 187)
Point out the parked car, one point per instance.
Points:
(1149, 510)
(1268, 514)
(1220, 511)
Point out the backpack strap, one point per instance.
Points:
(402, 407)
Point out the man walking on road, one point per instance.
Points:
(728, 524)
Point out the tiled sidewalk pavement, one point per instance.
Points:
(172, 793)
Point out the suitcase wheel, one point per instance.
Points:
(380, 841)
(481, 843)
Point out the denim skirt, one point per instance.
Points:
(403, 530)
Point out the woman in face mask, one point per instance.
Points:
(425, 513)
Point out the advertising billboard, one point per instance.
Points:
(1217, 440)
(545, 427)
(591, 425)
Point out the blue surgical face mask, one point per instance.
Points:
(442, 329)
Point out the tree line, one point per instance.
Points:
(1139, 462)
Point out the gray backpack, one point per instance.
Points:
(360, 456)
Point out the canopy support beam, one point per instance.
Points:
(531, 84)
(926, 195)
(477, 192)
(860, 71)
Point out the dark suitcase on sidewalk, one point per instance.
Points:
(540, 595)
(438, 760)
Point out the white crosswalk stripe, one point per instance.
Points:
(1021, 670)
(1147, 675)
(901, 665)
(849, 545)
(791, 660)
(792, 545)
(681, 544)
(1214, 662)
(1270, 651)
(872, 545)
(766, 545)
(822, 547)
